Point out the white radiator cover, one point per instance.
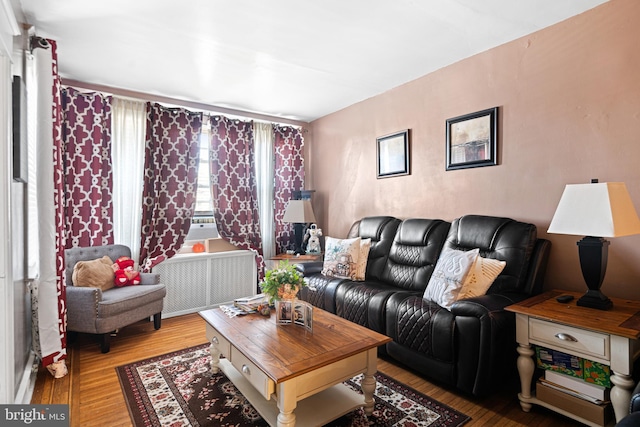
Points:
(199, 281)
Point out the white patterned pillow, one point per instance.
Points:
(448, 276)
(481, 276)
(341, 257)
(361, 267)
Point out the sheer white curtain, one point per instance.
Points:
(264, 138)
(128, 133)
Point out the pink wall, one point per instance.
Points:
(569, 99)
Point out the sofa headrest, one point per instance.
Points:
(381, 230)
(498, 238)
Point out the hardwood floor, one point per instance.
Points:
(93, 392)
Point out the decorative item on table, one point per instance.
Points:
(300, 213)
(282, 282)
(595, 210)
(313, 244)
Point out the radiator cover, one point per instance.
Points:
(197, 282)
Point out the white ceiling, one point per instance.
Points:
(285, 58)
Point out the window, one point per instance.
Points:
(204, 200)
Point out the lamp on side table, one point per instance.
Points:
(595, 210)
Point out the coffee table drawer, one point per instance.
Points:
(555, 335)
(258, 379)
(215, 337)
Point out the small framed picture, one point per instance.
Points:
(393, 154)
(303, 315)
(472, 141)
(284, 312)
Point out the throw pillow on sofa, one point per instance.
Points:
(341, 257)
(481, 276)
(96, 273)
(361, 267)
(449, 275)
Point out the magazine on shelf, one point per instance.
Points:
(577, 384)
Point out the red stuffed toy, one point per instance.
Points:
(125, 275)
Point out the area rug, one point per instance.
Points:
(178, 389)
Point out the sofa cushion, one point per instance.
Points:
(481, 276)
(449, 275)
(341, 257)
(95, 273)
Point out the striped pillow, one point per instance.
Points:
(480, 277)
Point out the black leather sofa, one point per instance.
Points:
(471, 347)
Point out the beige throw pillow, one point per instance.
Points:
(361, 267)
(341, 257)
(448, 276)
(96, 273)
(481, 276)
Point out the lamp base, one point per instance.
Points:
(595, 299)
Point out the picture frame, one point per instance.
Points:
(284, 312)
(393, 154)
(303, 315)
(471, 140)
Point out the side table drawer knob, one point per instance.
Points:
(246, 370)
(565, 337)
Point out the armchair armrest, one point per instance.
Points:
(149, 278)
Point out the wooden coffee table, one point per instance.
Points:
(282, 368)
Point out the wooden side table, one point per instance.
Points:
(610, 337)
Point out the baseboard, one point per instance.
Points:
(28, 381)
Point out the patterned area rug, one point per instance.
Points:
(178, 389)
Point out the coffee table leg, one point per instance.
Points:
(286, 393)
(369, 381)
(215, 355)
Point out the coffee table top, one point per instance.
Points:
(287, 351)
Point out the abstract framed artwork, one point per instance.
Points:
(393, 154)
(472, 140)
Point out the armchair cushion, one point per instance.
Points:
(95, 273)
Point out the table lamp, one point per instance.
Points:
(595, 210)
(300, 213)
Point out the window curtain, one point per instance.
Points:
(289, 177)
(127, 154)
(233, 184)
(263, 135)
(86, 134)
(45, 210)
(170, 181)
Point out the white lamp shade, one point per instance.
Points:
(299, 211)
(597, 209)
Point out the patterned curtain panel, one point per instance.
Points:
(86, 132)
(233, 184)
(170, 178)
(289, 177)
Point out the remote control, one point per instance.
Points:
(564, 298)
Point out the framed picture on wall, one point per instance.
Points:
(393, 154)
(472, 140)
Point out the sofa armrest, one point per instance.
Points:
(309, 268)
(83, 295)
(634, 406)
(149, 278)
(485, 340)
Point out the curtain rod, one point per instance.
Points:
(182, 103)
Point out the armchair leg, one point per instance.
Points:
(105, 343)
(157, 320)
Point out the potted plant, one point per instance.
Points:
(282, 282)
